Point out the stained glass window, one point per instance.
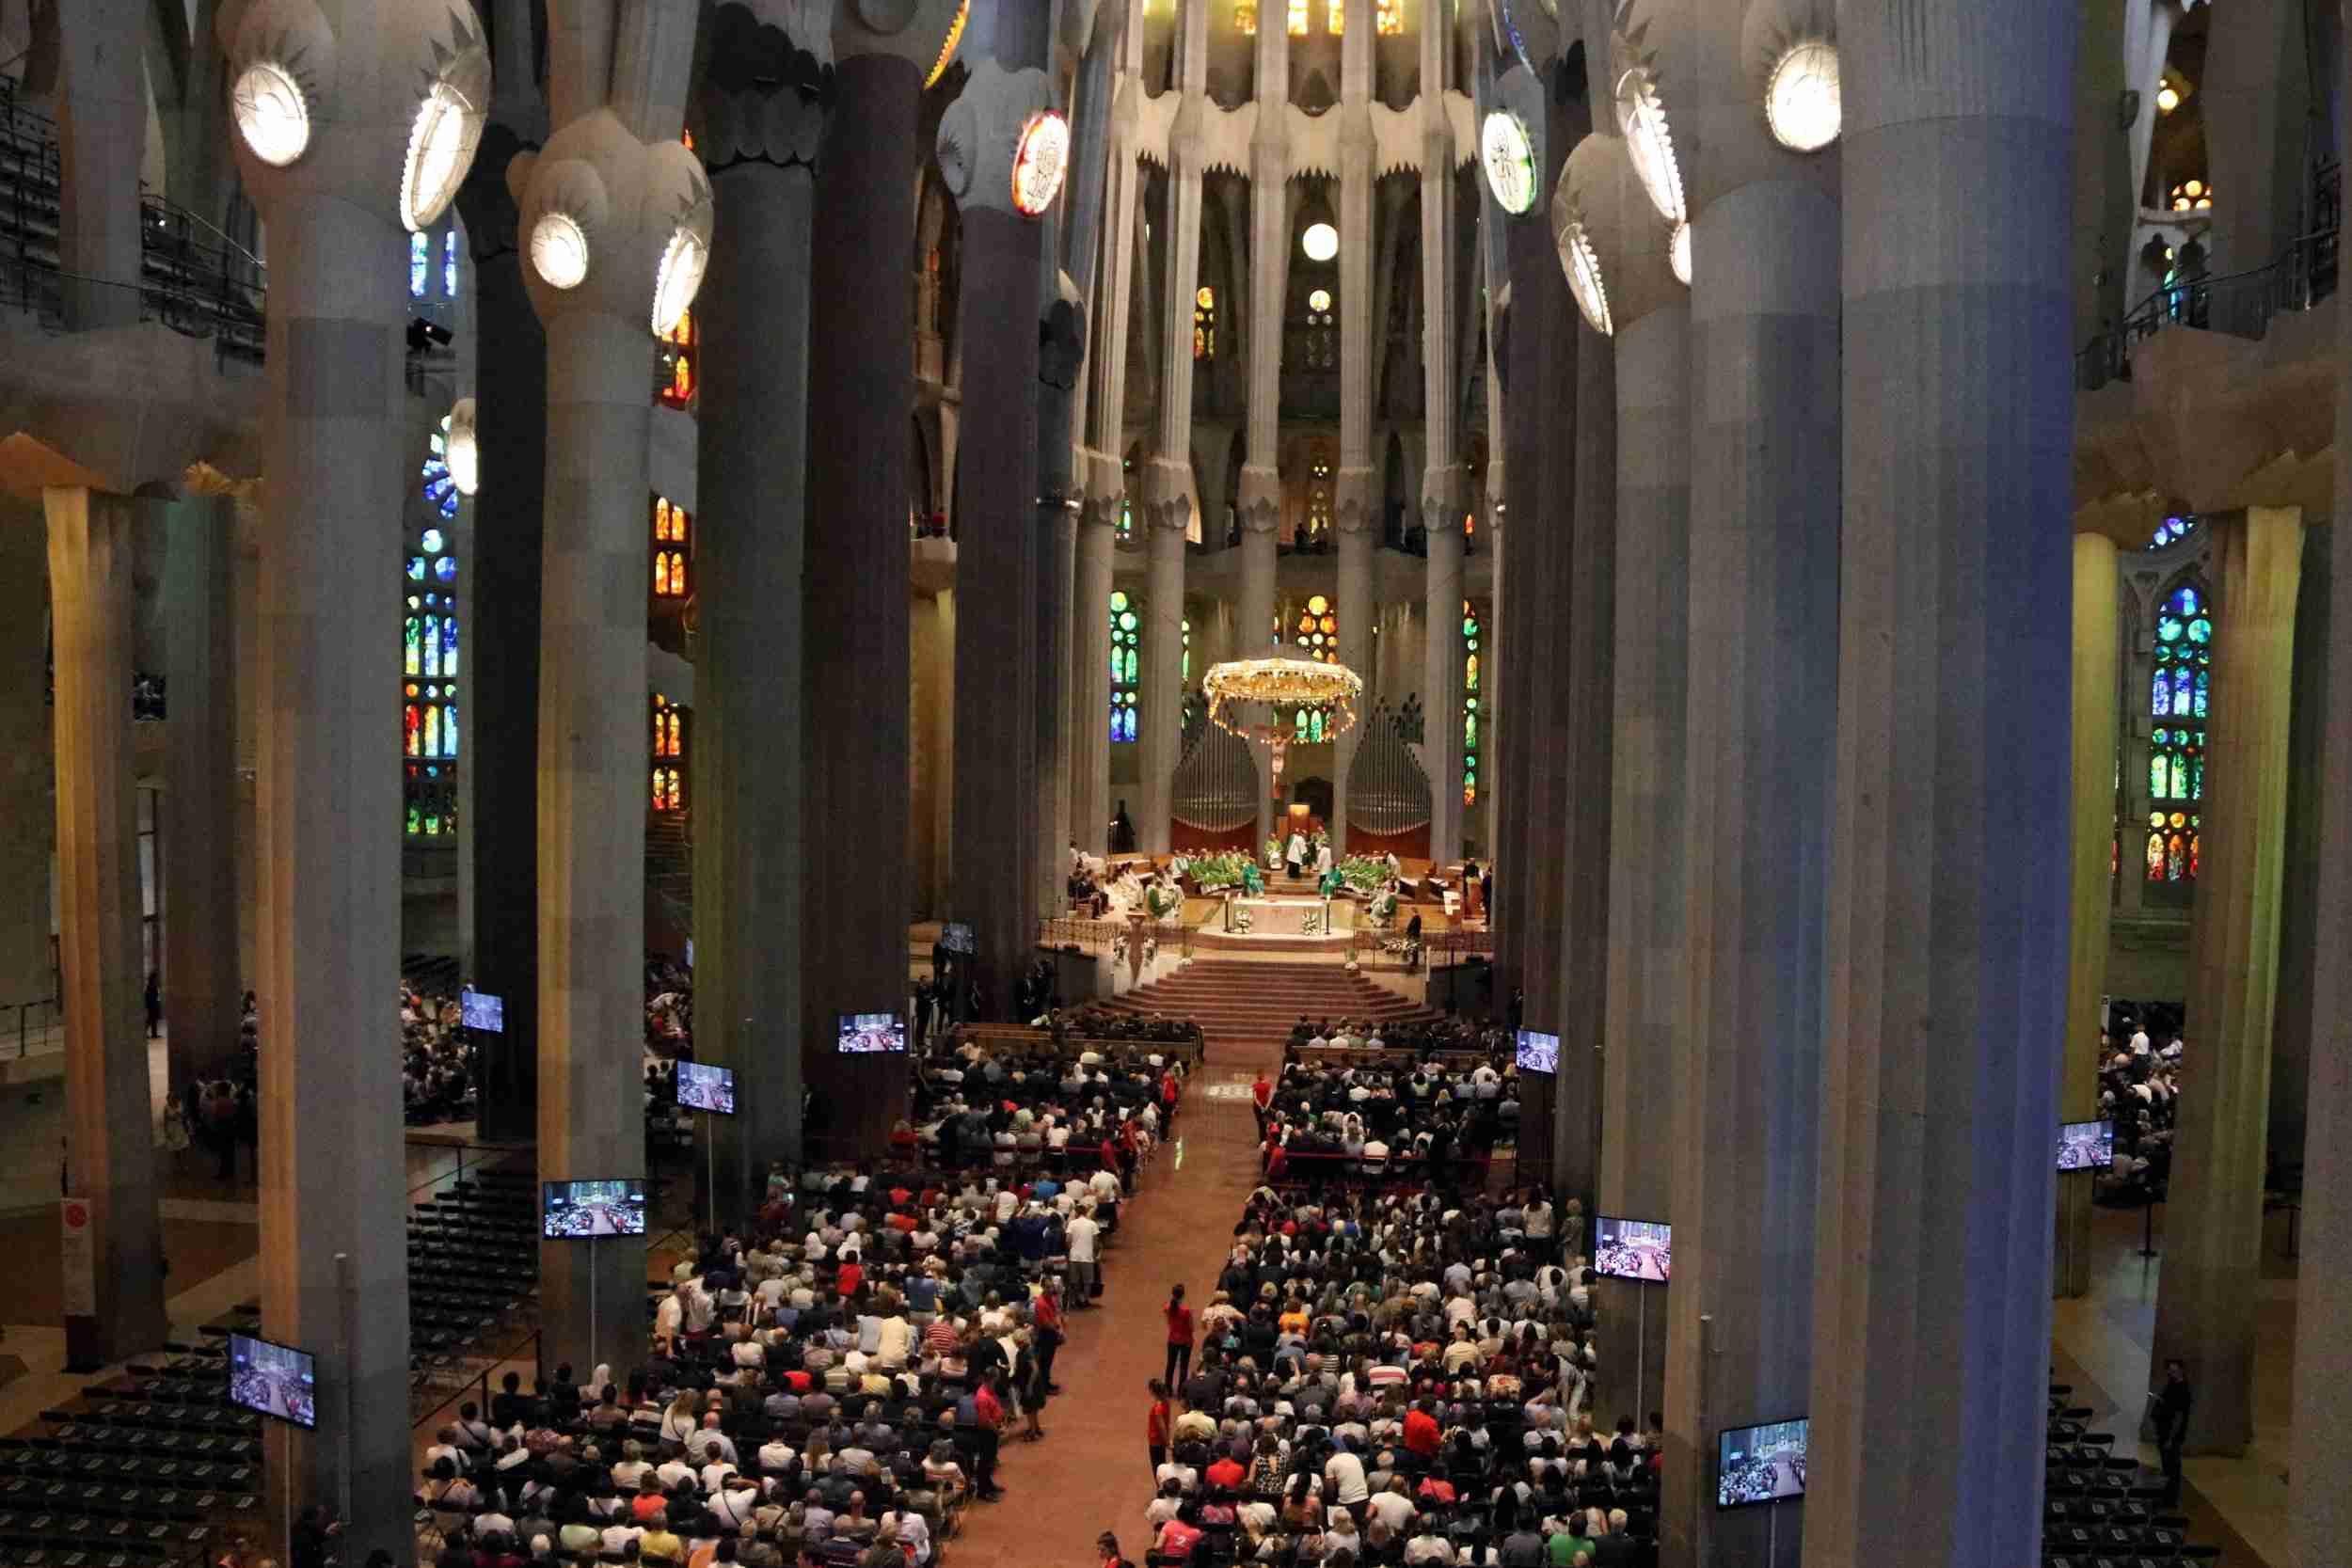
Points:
(1126, 504)
(667, 744)
(1315, 628)
(1185, 666)
(1126, 664)
(674, 375)
(1335, 17)
(1388, 19)
(420, 263)
(1297, 27)
(1246, 18)
(673, 549)
(2180, 693)
(430, 664)
(1204, 323)
(1470, 640)
(2170, 530)
(440, 490)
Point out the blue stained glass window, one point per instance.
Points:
(2160, 693)
(419, 264)
(1126, 655)
(448, 262)
(445, 569)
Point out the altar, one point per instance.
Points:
(1290, 917)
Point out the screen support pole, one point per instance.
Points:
(710, 1168)
(1772, 1532)
(1640, 1342)
(347, 1305)
(592, 1299)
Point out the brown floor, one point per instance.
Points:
(195, 1250)
(1091, 1472)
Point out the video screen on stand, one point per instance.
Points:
(1632, 1249)
(576, 1210)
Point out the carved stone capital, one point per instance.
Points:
(1261, 506)
(923, 31)
(980, 133)
(764, 92)
(1352, 507)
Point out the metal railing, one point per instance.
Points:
(2241, 303)
(23, 1011)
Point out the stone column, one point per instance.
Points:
(2097, 648)
(614, 170)
(1441, 664)
(861, 341)
(759, 116)
(2213, 1219)
(203, 986)
(328, 934)
(1259, 521)
(1170, 490)
(2255, 93)
(506, 559)
(2319, 1480)
(28, 778)
(101, 137)
(1355, 509)
(1647, 972)
(1759, 728)
(1948, 904)
(1270, 274)
(1540, 408)
(1442, 494)
(1090, 676)
(997, 579)
(110, 1145)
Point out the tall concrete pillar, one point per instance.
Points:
(1270, 274)
(1444, 498)
(2319, 1478)
(997, 573)
(2097, 649)
(1090, 676)
(1356, 484)
(861, 341)
(101, 137)
(506, 561)
(1441, 677)
(203, 986)
(1171, 487)
(28, 781)
(110, 1147)
(1540, 438)
(1259, 520)
(615, 173)
(1646, 974)
(1358, 613)
(1948, 907)
(333, 1163)
(759, 111)
(1760, 720)
(2213, 1217)
(2256, 99)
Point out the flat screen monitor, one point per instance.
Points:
(1632, 1249)
(862, 1033)
(274, 1379)
(2085, 1145)
(1538, 1051)
(574, 1210)
(1759, 1463)
(956, 937)
(479, 1009)
(704, 1088)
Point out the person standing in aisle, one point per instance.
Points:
(1179, 1335)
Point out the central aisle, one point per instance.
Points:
(1091, 1472)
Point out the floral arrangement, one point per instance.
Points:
(1273, 850)
(1240, 916)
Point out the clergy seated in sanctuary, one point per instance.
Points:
(1408, 1383)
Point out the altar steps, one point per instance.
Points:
(1246, 1008)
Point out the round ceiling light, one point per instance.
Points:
(676, 280)
(1582, 266)
(1509, 161)
(1649, 144)
(2168, 99)
(1678, 254)
(440, 148)
(271, 112)
(1800, 99)
(1321, 242)
(558, 251)
(1319, 300)
(1040, 161)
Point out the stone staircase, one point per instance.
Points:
(1245, 1008)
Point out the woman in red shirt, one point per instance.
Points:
(1179, 1317)
(1155, 1429)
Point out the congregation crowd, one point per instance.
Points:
(1394, 1378)
(1391, 1121)
(2139, 1077)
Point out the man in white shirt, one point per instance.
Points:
(2139, 1040)
(1343, 1479)
(674, 1473)
(1082, 1230)
(1393, 1508)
